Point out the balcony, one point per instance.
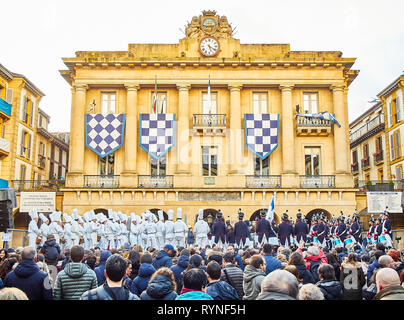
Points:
(312, 126)
(41, 160)
(355, 167)
(378, 157)
(35, 185)
(156, 181)
(263, 182)
(379, 185)
(5, 107)
(4, 147)
(365, 163)
(316, 182)
(101, 181)
(367, 130)
(209, 124)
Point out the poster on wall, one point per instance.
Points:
(42, 201)
(378, 201)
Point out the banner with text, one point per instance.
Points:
(42, 201)
(378, 201)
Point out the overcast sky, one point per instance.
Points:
(37, 34)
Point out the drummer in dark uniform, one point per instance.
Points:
(240, 230)
(386, 228)
(355, 230)
(301, 228)
(321, 231)
(285, 230)
(263, 228)
(341, 228)
(229, 234)
(219, 229)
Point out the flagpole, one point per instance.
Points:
(155, 94)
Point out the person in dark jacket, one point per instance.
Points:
(329, 286)
(75, 279)
(217, 289)
(263, 227)
(272, 263)
(279, 285)
(285, 230)
(51, 250)
(112, 289)
(352, 278)
(134, 257)
(146, 270)
(100, 270)
(232, 274)
(297, 260)
(190, 237)
(163, 258)
(375, 265)
(301, 229)
(240, 230)
(162, 286)
(28, 278)
(333, 262)
(230, 234)
(181, 265)
(219, 229)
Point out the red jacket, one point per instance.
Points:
(321, 256)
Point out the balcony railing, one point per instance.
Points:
(156, 181)
(5, 107)
(367, 127)
(355, 167)
(35, 185)
(209, 120)
(4, 145)
(365, 163)
(101, 181)
(380, 185)
(263, 181)
(306, 126)
(317, 182)
(41, 160)
(312, 122)
(378, 157)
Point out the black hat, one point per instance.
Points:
(263, 213)
(299, 215)
(240, 214)
(219, 214)
(285, 216)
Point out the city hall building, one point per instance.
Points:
(211, 123)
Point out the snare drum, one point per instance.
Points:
(382, 239)
(315, 240)
(348, 242)
(337, 242)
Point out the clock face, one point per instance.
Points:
(209, 46)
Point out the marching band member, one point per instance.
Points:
(55, 227)
(263, 228)
(117, 229)
(219, 230)
(285, 230)
(124, 230)
(180, 230)
(240, 230)
(160, 230)
(378, 229)
(386, 229)
(229, 235)
(341, 228)
(94, 227)
(81, 229)
(33, 230)
(44, 229)
(301, 228)
(110, 230)
(201, 230)
(86, 231)
(67, 232)
(321, 232)
(355, 229)
(143, 233)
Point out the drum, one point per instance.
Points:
(382, 239)
(38, 240)
(337, 242)
(62, 240)
(348, 242)
(81, 240)
(98, 237)
(315, 240)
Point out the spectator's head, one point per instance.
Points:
(165, 272)
(184, 252)
(394, 254)
(310, 291)
(295, 259)
(365, 258)
(257, 262)
(293, 270)
(12, 294)
(267, 248)
(230, 249)
(216, 256)
(380, 246)
(3, 254)
(286, 252)
(229, 258)
(115, 268)
(77, 253)
(214, 271)
(326, 272)
(352, 258)
(91, 260)
(377, 254)
(281, 257)
(28, 253)
(50, 237)
(312, 251)
(195, 261)
(169, 249)
(385, 261)
(281, 281)
(386, 278)
(146, 258)
(195, 279)
(129, 267)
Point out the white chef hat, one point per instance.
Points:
(161, 215)
(179, 213)
(200, 214)
(43, 217)
(170, 214)
(57, 216)
(133, 216)
(67, 217)
(33, 213)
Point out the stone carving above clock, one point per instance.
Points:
(209, 24)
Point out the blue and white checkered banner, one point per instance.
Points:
(104, 132)
(322, 115)
(156, 133)
(261, 133)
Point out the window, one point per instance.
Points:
(380, 175)
(40, 122)
(25, 145)
(366, 151)
(379, 144)
(23, 170)
(395, 109)
(261, 167)
(395, 145)
(399, 172)
(209, 106)
(260, 102)
(355, 156)
(392, 152)
(161, 102)
(209, 161)
(312, 161)
(158, 166)
(108, 102)
(106, 165)
(310, 102)
(2, 126)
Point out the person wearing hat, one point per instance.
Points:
(219, 230)
(67, 232)
(180, 230)
(75, 228)
(263, 228)
(44, 229)
(341, 228)
(55, 228)
(163, 258)
(285, 230)
(169, 227)
(110, 230)
(102, 220)
(355, 229)
(151, 230)
(33, 230)
(240, 230)
(378, 229)
(134, 229)
(201, 230)
(301, 229)
(123, 236)
(160, 230)
(230, 234)
(386, 229)
(94, 226)
(370, 236)
(190, 238)
(321, 231)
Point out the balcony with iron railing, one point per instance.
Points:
(355, 167)
(209, 124)
(378, 157)
(380, 185)
(5, 107)
(365, 163)
(315, 182)
(4, 146)
(38, 185)
(155, 181)
(312, 126)
(367, 130)
(264, 181)
(101, 181)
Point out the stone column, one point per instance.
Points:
(76, 150)
(183, 147)
(235, 145)
(128, 176)
(289, 174)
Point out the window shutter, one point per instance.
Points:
(398, 109)
(398, 144)
(392, 147)
(22, 144)
(29, 147)
(9, 96)
(31, 118)
(24, 112)
(390, 115)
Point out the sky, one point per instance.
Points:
(36, 35)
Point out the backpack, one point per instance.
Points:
(314, 270)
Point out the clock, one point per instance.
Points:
(209, 47)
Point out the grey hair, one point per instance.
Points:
(281, 281)
(385, 260)
(28, 253)
(313, 251)
(310, 291)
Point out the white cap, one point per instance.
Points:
(67, 217)
(154, 217)
(133, 216)
(170, 214)
(200, 214)
(56, 216)
(161, 216)
(138, 219)
(33, 213)
(43, 218)
(81, 220)
(179, 213)
(110, 214)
